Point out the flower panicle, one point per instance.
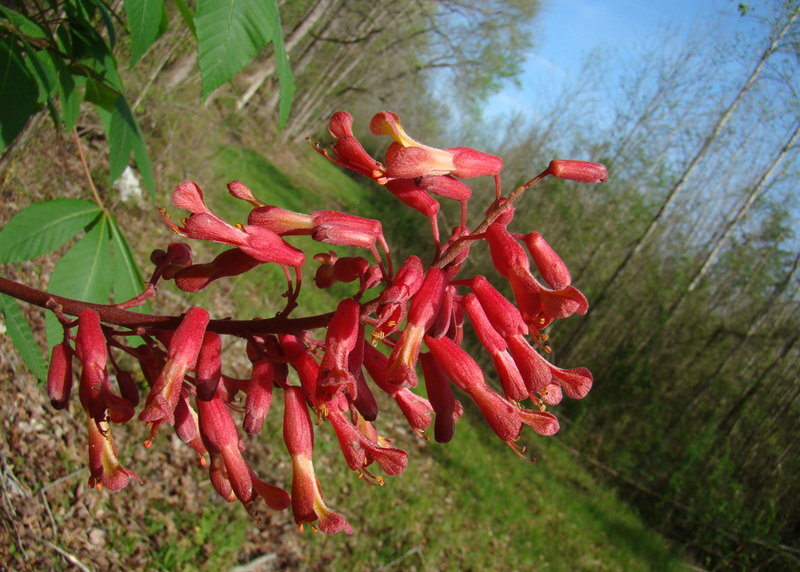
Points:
(387, 329)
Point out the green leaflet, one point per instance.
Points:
(42, 227)
(285, 78)
(145, 19)
(83, 273)
(128, 281)
(230, 33)
(19, 92)
(18, 329)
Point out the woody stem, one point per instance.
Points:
(112, 314)
(497, 209)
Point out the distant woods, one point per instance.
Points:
(689, 258)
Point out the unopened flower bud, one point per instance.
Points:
(549, 264)
(59, 375)
(580, 171)
(209, 366)
(259, 396)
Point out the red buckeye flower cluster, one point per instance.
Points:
(396, 326)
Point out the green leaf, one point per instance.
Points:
(187, 17)
(42, 227)
(18, 91)
(128, 280)
(285, 78)
(18, 329)
(43, 69)
(68, 94)
(23, 23)
(144, 23)
(83, 273)
(102, 96)
(124, 137)
(229, 34)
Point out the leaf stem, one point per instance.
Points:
(97, 198)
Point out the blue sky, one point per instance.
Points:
(569, 29)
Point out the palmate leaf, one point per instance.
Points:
(19, 330)
(230, 33)
(83, 273)
(42, 227)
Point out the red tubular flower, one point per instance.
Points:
(549, 264)
(539, 373)
(257, 242)
(539, 305)
(445, 186)
(510, 376)
(580, 171)
(424, 308)
(298, 434)
(417, 410)
(182, 356)
(341, 339)
(59, 375)
(230, 263)
(177, 256)
(333, 269)
(446, 315)
(364, 401)
(218, 475)
(359, 450)
(461, 369)
(329, 227)
(441, 398)
(104, 466)
(533, 367)
(411, 195)
(242, 192)
(127, 387)
(209, 366)
(275, 497)
(220, 437)
(409, 159)
(393, 300)
(503, 315)
(187, 426)
(90, 348)
(259, 396)
(303, 363)
(348, 152)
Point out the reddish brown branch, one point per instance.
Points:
(111, 314)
